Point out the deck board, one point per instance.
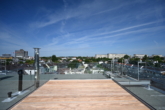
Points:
(80, 95)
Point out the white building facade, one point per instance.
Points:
(139, 55)
(101, 56)
(110, 55)
(157, 55)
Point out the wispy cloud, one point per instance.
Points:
(156, 43)
(11, 39)
(92, 27)
(116, 33)
(113, 8)
(131, 27)
(80, 11)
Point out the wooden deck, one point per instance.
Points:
(80, 95)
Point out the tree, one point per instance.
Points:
(120, 60)
(157, 58)
(54, 58)
(126, 57)
(134, 60)
(145, 58)
(157, 65)
(29, 61)
(20, 62)
(73, 64)
(87, 60)
(46, 58)
(8, 61)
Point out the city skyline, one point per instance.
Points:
(83, 27)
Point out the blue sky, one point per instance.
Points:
(83, 27)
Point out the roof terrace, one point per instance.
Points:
(83, 91)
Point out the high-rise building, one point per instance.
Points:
(21, 53)
(26, 54)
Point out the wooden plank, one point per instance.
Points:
(80, 95)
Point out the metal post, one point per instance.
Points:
(30, 75)
(5, 66)
(9, 95)
(122, 67)
(111, 65)
(36, 58)
(138, 71)
(20, 73)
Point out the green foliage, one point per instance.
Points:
(20, 62)
(79, 57)
(157, 58)
(102, 59)
(145, 58)
(46, 58)
(102, 67)
(149, 63)
(126, 56)
(88, 60)
(68, 60)
(157, 65)
(54, 58)
(120, 60)
(99, 66)
(8, 61)
(29, 62)
(92, 59)
(73, 64)
(134, 60)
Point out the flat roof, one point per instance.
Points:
(80, 94)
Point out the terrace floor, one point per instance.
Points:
(100, 94)
(9, 83)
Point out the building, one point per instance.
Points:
(110, 55)
(157, 55)
(5, 57)
(21, 53)
(139, 55)
(101, 56)
(115, 55)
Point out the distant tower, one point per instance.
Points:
(21, 53)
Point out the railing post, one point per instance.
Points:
(138, 71)
(20, 73)
(36, 58)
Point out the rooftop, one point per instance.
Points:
(153, 98)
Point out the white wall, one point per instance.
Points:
(100, 56)
(32, 72)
